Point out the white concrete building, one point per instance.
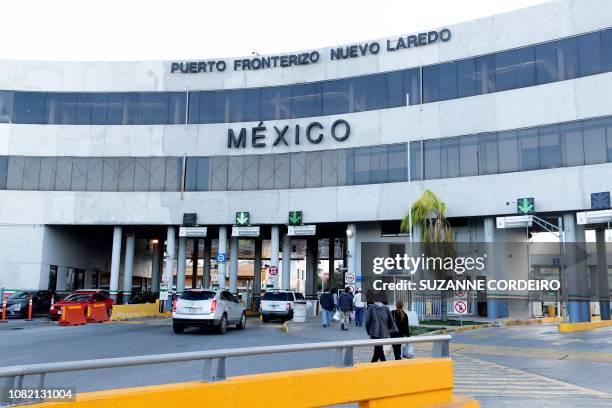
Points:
(481, 113)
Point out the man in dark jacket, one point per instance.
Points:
(327, 306)
(345, 304)
(379, 324)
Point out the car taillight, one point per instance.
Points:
(213, 305)
(174, 305)
(288, 306)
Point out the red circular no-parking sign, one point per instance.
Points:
(460, 307)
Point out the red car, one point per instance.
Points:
(82, 297)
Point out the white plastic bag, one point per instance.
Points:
(407, 351)
(337, 316)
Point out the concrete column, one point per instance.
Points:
(576, 271)
(286, 262)
(602, 274)
(222, 250)
(181, 265)
(206, 272)
(194, 264)
(233, 276)
(330, 279)
(311, 267)
(128, 268)
(351, 247)
(496, 307)
(170, 245)
(274, 246)
(115, 263)
(155, 268)
(257, 275)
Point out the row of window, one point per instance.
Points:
(341, 167)
(91, 173)
(576, 143)
(561, 145)
(560, 60)
(569, 58)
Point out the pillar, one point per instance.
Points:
(128, 268)
(170, 244)
(311, 267)
(351, 247)
(233, 272)
(206, 271)
(286, 262)
(115, 263)
(194, 264)
(576, 271)
(332, 247)
(602, 274)
(155, 268)
(274, 246)
(181, 265)
(497, 307)
(222, 250)
(257, 274)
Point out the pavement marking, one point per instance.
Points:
(483, 378)
(479, 378)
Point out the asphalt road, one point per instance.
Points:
(502, 367)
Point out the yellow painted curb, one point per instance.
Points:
(575, 327)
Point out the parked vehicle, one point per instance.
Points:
(83, 297)
(278, 304)
(17, 304)
(208, 308)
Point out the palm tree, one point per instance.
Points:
(429, 212)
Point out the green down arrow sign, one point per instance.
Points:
(295, 218)
(525, 206)
(243, 218)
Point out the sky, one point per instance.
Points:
(188, 29)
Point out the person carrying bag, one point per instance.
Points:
(403, 330)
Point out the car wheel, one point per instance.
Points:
(178, 328)
(222, 327)
(242, 324)
(265, 319)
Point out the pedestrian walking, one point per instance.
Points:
(359, 303)
(379, 324)
(345, 307)
(327, 304)
(403, 328)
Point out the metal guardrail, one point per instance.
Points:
(214, 360)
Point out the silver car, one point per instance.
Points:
(216, 308)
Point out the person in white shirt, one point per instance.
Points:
(359, 303)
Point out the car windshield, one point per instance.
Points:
(197, 295)
(19, 295)
(282, 296)
(78, 297)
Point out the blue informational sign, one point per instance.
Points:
(221, 258)
(358, 278)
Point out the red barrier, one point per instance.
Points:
(72, 316)
(29, 319)
(96, 313)
(3, 320)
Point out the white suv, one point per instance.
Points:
(207, 308)
(278, 304)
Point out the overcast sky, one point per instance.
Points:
(188, 29)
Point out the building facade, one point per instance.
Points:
(99, 161)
